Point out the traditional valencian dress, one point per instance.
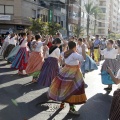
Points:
(89, 64)
(35, 60)
(5, 44)
(115, 107)
(50, 67)
(68, 85)
(12, 44)
(110, 61)
(21, 59)
(14, 51)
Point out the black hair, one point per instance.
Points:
(80, 39)
(23, 34)
(118, 42)
(111, 41)
(37, 37)
(71, 45)
(57, 41)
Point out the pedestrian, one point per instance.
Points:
(115, 106)
(36, 58)
(50, 67)
(89, 64)
(109, 54)
(5, 43)
(68, 85)
(21, 59)
(96, 49)
(12, 44)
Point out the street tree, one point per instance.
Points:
(90, 9)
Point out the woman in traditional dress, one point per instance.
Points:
(36, 58)
(109, 54)
(68, 85)
(50, 67)
(115, 106)
(12, 44)
(5, 44)
(21, 59)
(89, 64)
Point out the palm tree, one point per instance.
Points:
(96, 14)
(90, 9)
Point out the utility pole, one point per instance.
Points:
(67, 18)
(79, 22)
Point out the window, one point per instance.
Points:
(62, 23)
(55, 18)
(1, 9)
(33, 14)
(8, 9)
(103, 10)
(58, 19)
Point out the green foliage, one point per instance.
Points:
(38, 26)
(78, 32)
(44, 28)
(53, 27)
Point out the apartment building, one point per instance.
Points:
(15, 14)
(73, 15)
(103, 18)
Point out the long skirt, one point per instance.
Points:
(8, 50)
(68, 86)
(4, 46)
(115, 106)
(35, 62)
(49, 71)
(114, 65)
(88, 65)
(21, 59)
(13, 53)
(96, 55)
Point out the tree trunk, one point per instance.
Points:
(88, 27)
(95, 28)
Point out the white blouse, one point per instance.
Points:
(74, 59)
(39, 47)
(55, 53)
(13, 41)
(24, 43)
(111, 54)
(7, 39)
(79, 49)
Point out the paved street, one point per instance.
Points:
(18, 99)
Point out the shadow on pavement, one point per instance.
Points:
(96, 108)
(23, 111)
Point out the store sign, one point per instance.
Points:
(5, 17)
(20, 27)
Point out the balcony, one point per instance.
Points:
(73, 7)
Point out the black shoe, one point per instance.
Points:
(108, 89)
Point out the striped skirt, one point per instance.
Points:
(8, 50)
(21, 59)
(4, 46)
(114, 65)
(115, 106)
(13, 53)
(35, 62)
(68, 86)
(48, 72)
(88, 65)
